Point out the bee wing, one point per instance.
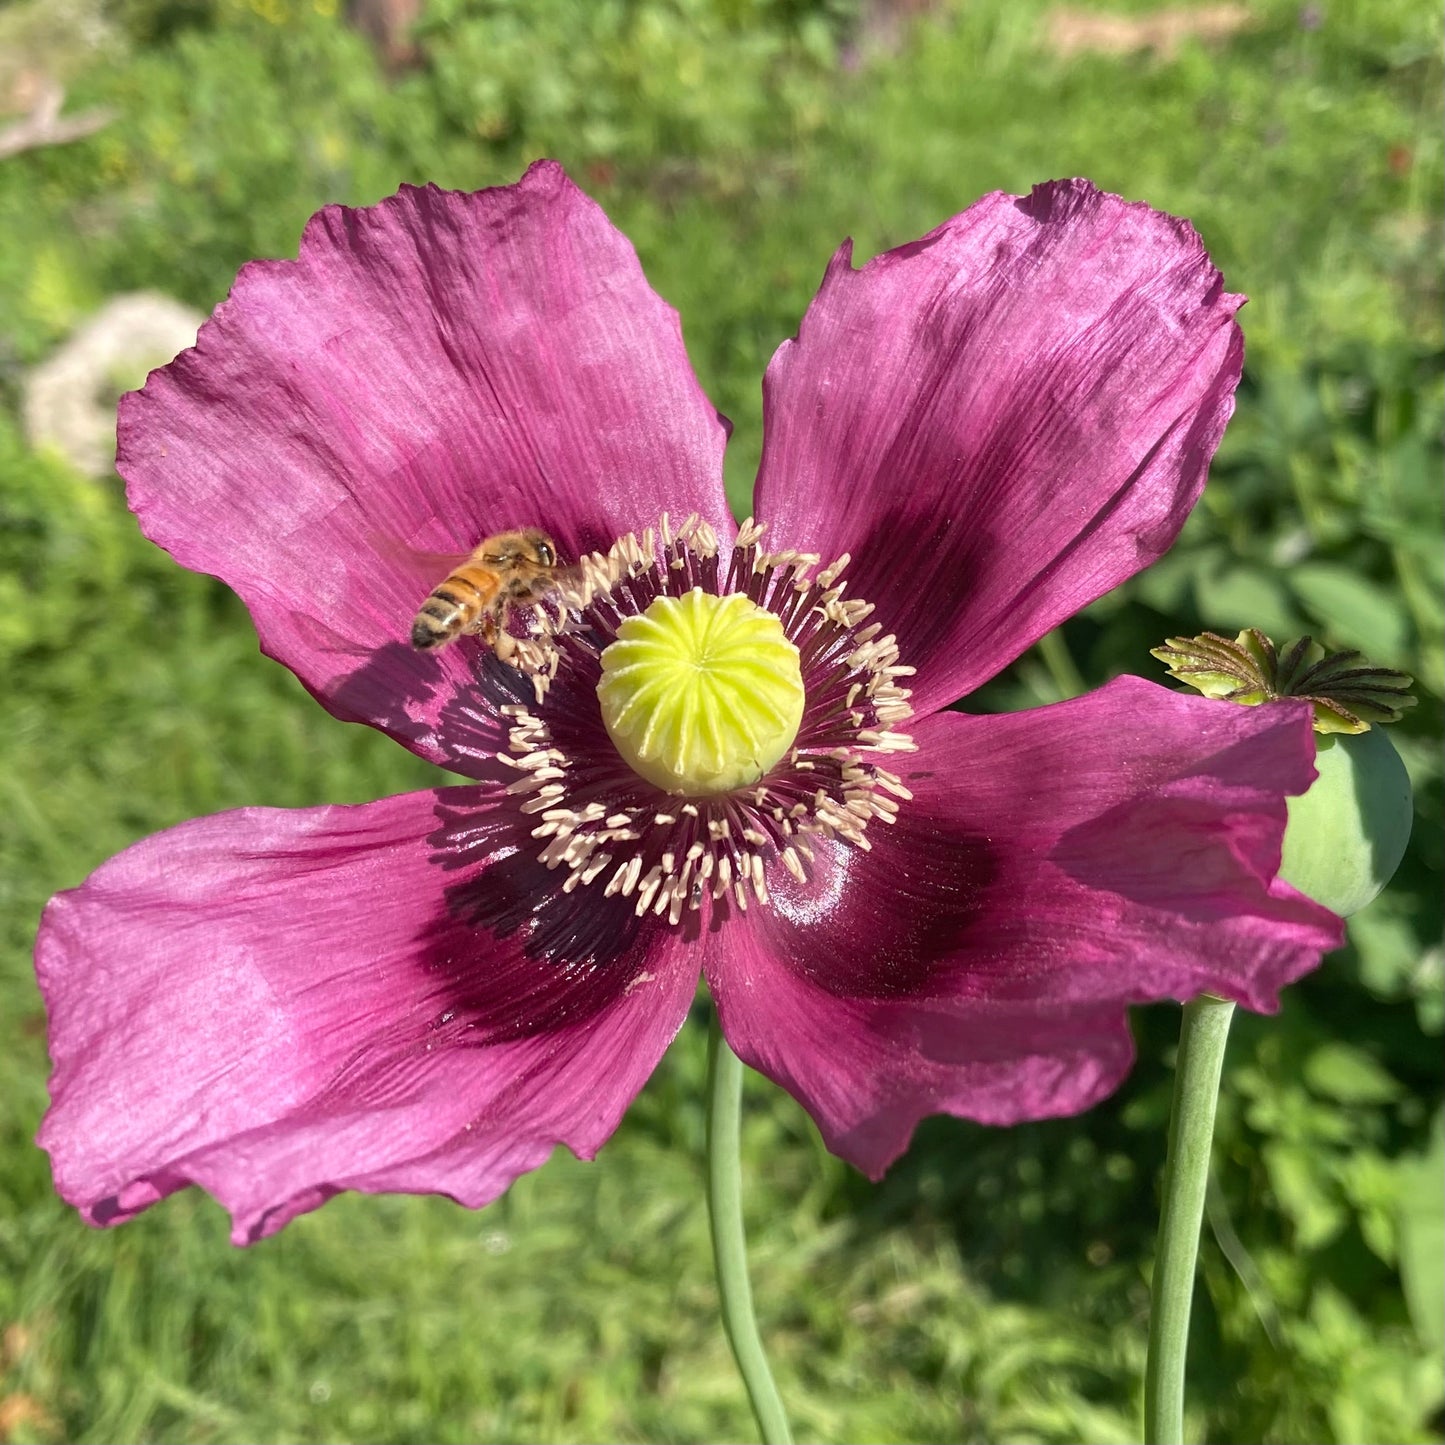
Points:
(427, 569)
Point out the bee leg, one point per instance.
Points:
(496, 636)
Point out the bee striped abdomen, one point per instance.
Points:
(456, 606)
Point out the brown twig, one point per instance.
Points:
(45, 126)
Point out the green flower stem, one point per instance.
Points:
(1186, 1176)
(729, 1248)
(1060, 664)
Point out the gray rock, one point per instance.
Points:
(69, 400)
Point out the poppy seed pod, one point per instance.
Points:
(1348, 831)
(1347, 834)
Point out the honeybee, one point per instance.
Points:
(512, 568)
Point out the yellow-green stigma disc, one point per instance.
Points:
(701, 694)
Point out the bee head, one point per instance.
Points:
(543, 550)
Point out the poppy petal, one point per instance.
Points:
(1001, 421)
(278, 1006)
(433, 369)
(1052, 868)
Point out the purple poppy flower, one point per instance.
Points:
(902, 915)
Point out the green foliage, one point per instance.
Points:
(995, 1285)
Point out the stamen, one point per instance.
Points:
(599, 823)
